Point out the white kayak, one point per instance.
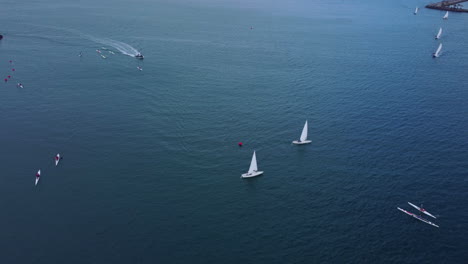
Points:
(38, 176)
(422, 210)
(57, 159)
(417, 217)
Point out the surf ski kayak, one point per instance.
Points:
(57, 159)
(418, 217)
(422, 210)
(38, 176)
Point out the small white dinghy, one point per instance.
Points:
(439, 34)
(253, 170)
(437, 53)
(57, 159)
(416, 10)
(445, 16)
(303, 138)
(38, 176)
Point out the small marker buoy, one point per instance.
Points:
(9, 76)
(240, 144)
(6, 80)
(13, 69)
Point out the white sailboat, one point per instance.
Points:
(303, 138)
(57, 159)
(445, 16)
(437, 53)
(439, 34)
(416, 10)
(38, 176)
(253, 170)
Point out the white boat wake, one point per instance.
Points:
(122, 47)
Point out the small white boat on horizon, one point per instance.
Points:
(253, 169)
(437, 53)
(303, 139)
(439, 34)
(446, 16)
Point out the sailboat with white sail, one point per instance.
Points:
(445, 16)
(416, 10)
(439, 34)
(437, 53)
(303, 139)
(253, 169)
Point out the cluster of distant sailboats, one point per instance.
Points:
(436, 54)
(38, 173)
(253, 169)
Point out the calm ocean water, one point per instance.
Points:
(151, 165)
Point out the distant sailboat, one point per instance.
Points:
(439, 34)
(437, 53)
(416, 10)
(445, 16)
(253, 170)
(303, 138)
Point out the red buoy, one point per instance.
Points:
(6, 80)
(240, 144)
(9, 76)
(13, 69)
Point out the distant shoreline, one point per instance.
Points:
(453, 6)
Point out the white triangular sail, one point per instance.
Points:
(416, 10)
(439, 33)
(437, 53)
(304, 132)
(253, 164)
(446, 15)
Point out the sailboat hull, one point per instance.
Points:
(253, 174)
(301, 142)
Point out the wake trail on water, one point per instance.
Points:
(122, 47)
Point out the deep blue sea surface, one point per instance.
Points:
(151, 168)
